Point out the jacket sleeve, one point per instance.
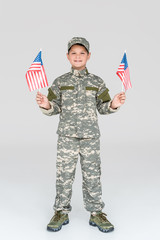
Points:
(54, 98)
(103, 100)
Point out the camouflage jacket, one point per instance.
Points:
(75, 96)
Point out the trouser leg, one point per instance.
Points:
(67, 156)
(91, 172)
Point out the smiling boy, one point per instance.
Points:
(76, 96)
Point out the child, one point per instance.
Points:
(76, 95)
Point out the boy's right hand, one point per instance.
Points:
(42, 101)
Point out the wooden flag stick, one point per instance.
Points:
(40, 51)
(122, 87)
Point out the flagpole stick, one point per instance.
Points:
(122, 87)
(122, 82)
(40, 51)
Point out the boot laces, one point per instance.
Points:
(57, 216)
(102, 217)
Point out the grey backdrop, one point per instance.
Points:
(129, 138)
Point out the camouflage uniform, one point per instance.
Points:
(75, 96)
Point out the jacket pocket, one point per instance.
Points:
(67, 93)
(91, 95)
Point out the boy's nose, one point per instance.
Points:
(78, 57)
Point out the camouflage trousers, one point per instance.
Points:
(68, 149)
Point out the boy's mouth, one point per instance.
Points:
(77, 60)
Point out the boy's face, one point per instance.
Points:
(78, 57)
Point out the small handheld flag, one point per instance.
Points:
(123, 73)
(36, 76)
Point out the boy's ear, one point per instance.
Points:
(67, 56)
(89, 55)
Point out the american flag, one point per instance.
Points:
(36, 76)
(123, 73)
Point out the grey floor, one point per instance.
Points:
(130, 186)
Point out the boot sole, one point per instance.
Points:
(101, 229)
(59, 228)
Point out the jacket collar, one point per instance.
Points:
(79, 73)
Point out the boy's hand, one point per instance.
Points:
(42, 101)
(118, 100)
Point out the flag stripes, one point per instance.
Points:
(36, 76)
(123, 73)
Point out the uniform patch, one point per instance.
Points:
(105, 96)
(92, 88)
(66, 87)
(51, 95)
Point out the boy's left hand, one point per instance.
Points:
(118, 100)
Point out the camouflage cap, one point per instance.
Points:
(80, 40)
